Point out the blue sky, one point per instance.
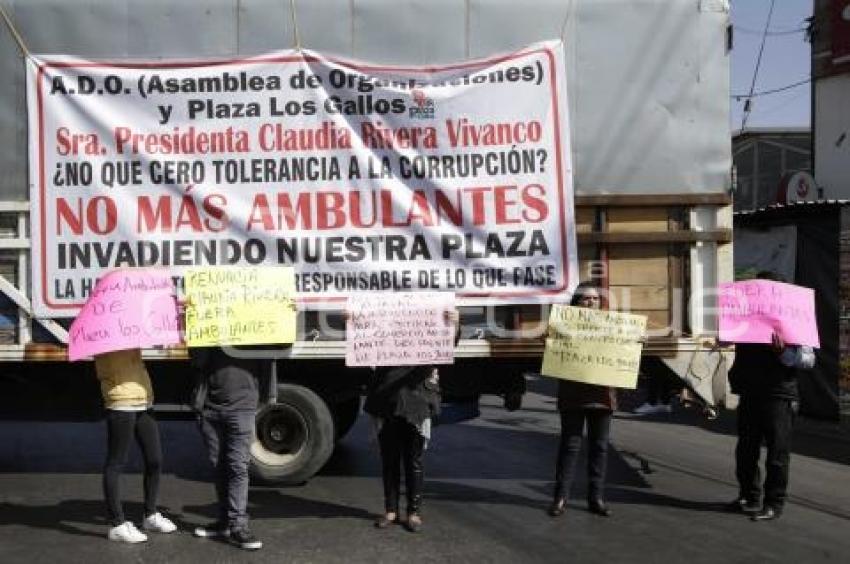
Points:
(786, 60)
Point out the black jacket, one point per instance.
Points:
(224, 382)
(574, 396)
(758, 374)
(403, 391)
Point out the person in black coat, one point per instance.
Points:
(765, 378)
(403, 400)
(579, 402)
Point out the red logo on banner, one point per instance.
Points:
(420, 98)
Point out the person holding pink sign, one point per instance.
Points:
(128, 397)
(765, 378)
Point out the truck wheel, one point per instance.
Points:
(294, 437)
(345, 416)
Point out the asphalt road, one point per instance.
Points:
(488, 483)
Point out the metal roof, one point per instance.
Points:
(793, 130)
(794, 206)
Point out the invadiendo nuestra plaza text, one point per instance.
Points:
(276, 137)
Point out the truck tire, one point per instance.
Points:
(294, 437)
(345, 416)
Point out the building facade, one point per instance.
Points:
(764, 158)
(830, 35)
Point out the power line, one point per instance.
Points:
(783, 104)
(748, 104)
(772, 90)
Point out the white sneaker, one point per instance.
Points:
(158, 524)
(127, 532)
(213, 531)
(650, 409)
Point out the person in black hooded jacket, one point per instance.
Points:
(404, 400)
(765, 378)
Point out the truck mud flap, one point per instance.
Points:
(703, 373)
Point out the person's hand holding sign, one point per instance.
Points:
(452, 317)
(183, 303)
(777, 343)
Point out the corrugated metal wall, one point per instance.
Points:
(648, 79)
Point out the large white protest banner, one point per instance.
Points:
(362, 177)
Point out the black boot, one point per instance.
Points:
(743, 505)
(559, 505)
(768, 513)
(597, 506)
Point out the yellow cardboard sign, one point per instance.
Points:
(233, 305)
(594, 346)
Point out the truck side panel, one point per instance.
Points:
(647, 81)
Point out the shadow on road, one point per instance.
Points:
(65, 516)
(625, 485)
(645, 497)
(272, 504)
(465, 493)
(813, 439)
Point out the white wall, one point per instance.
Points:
(832, 120)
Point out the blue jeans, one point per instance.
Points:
(228, 435)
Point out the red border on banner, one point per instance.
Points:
(309, 59)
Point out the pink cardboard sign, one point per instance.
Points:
(128, 309)
(399, 329)
(751, 311)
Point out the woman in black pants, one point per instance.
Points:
(403, 400)
(577, 403)
(128, 398)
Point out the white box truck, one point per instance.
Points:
(648, 97)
